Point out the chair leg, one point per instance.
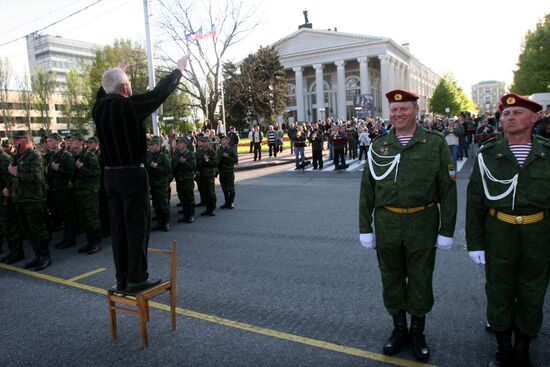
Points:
(112, 317)
(147, 310)
(142, 314)
(173, 306)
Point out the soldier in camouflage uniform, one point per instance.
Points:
(93, 145)
(207, 165)
(183, 169)
(60, 171)
(227, 158)
(29, 195)
(410, 171)
(158, 168)
(86, 189)
(9, 228)
(199, 147)
(507, 225)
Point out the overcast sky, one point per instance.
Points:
(473, 39)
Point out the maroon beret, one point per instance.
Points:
(515, 100)
(398, 95)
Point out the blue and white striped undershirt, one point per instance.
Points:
(521, 151)
(404, 139)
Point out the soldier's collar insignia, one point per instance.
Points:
(510, 100)
(384, 150)
(398, 97)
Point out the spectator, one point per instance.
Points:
(272, 141)
(299, 147)
(257, 137)
(316, 140)
(291, 135)
(364, 142)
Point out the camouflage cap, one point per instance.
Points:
(77, 135)
(205, 139)
(6, 143)
(92, 139)
(54, 136)
(182, 139)
(22, 134)
(154, 140)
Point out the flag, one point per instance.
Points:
(189, 37)
(212, 32)
(199, 35)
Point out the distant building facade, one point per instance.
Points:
(14, 117)
(57, 55)
(486, 95)
(326, 69)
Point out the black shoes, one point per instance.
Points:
(12, 258)
(33, 262)
(399, 335)
(420, 348)
(140, 286)
(505, 353)
(43, 263)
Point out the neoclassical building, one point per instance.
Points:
(325, 69)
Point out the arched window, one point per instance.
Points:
(353, 87)
(313, 91)
(290, 94)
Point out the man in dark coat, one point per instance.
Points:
(120, 117)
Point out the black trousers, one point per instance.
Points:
(317, 158)
(257, 151)
(128, 194)
(339, 157)
(272, 149)
(363, 149)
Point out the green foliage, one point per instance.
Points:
(76, 107)
(5, 76)
(448, 94)
(43, 85)
(533, 73)
(256, 88)
(122, 51)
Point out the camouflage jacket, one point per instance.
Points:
(59, 180)
(424, 175)
(226, 164)
(86, 179)
(29, 185)
(185, 170)
(158, 177)
(206, 168)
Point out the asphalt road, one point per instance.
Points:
(279, 281)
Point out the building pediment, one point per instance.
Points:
(310, 40)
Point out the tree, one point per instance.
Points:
(533, 72)
(232, 22)
(26, 98)
(257, 89)
(76, 108)
(122, 50)
(43, 85)
(5, 77)
(448, 94)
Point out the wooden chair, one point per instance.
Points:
(141, 299)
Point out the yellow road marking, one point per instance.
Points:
(85, 275)
(237, 325)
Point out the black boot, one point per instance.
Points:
(420, 348)
(45, 259)
(190, 214)
(33, 262)
(504, 355)
(96, 243)
(212, 211)
(89, 243)
(231, 201)
(206, 210)
(399, 334)
(69, 236)
(521, 350)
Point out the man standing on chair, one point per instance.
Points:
(120, 117)
(410, 188)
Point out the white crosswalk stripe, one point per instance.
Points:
(355, 165)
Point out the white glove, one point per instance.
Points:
(444, 243)
(367, 240)
(477, 257)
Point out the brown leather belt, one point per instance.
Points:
(517, 219)
(415, 209)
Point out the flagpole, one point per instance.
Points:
(150, 66)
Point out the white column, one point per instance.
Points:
(341, 90)
(406, 77)
(319, 90)
(384, 83)
(364, 75)
(300, 105)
